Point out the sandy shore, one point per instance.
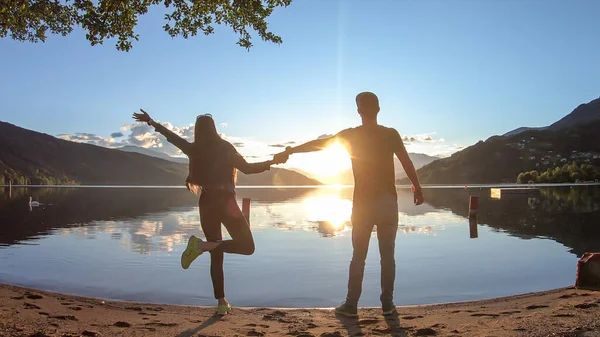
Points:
(561, 312)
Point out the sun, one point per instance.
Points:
(326, 163)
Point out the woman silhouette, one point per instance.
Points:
(213, 165)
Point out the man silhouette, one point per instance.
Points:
(371, 147)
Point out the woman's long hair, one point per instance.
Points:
(205, 130)
(209, 145)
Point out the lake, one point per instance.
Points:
(125, 244)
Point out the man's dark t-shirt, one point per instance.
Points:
(372, 149)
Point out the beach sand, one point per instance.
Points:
(561, 312)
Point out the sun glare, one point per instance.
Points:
(326, 163)
(328, 211)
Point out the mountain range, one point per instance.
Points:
(584, 113)
(29, 157)
(152, 153)
(500, 159)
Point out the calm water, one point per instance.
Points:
(125, 243)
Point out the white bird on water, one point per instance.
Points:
(33, 203)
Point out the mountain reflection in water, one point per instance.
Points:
(160, 218)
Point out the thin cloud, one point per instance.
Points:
(286, 144)
(90, 138)
(423, 138)
(223, 125)
(80, 137)
(238, 144)
(117, 134)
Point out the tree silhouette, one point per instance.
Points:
(104, 19)
(568, 173)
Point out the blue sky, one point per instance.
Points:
(458, 71)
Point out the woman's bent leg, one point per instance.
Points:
(241, 241)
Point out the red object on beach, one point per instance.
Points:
(412, 188)
(246, 208)
(588, 272)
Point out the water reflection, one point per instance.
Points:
(568, 215)
(407, 229)
(473, 230)
(147, 220)
(303, 244)
(328, 210)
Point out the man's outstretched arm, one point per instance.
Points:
(313, 145)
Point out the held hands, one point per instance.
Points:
(282, 157)
(142, 117)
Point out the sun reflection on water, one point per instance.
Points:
(329, 212)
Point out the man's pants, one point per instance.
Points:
(382, 212)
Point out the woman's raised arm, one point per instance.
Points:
(171, 136)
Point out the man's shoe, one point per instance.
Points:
(389, 309)
(347, 310)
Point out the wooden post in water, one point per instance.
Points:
(246, 209)
(10, 189)
(473, 227)
(473, 206)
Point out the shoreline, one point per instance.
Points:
(558, 312)
(399, 186)
(465, 302)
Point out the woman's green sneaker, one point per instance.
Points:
(191, 252)
(223, 309)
